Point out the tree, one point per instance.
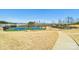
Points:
(70, 20)
(59, 21)
(3, 22)
(30, 24)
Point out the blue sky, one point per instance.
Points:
(42, 15)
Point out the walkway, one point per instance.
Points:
(65, 43)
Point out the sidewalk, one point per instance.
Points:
(65, 43)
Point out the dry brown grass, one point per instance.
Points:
(76, 37)
(22, 40)
(74, 34)
(74, 25)
(72, 31)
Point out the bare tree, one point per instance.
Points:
(70, 20)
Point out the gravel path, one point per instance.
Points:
(65, 43)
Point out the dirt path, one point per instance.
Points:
(65, 42)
